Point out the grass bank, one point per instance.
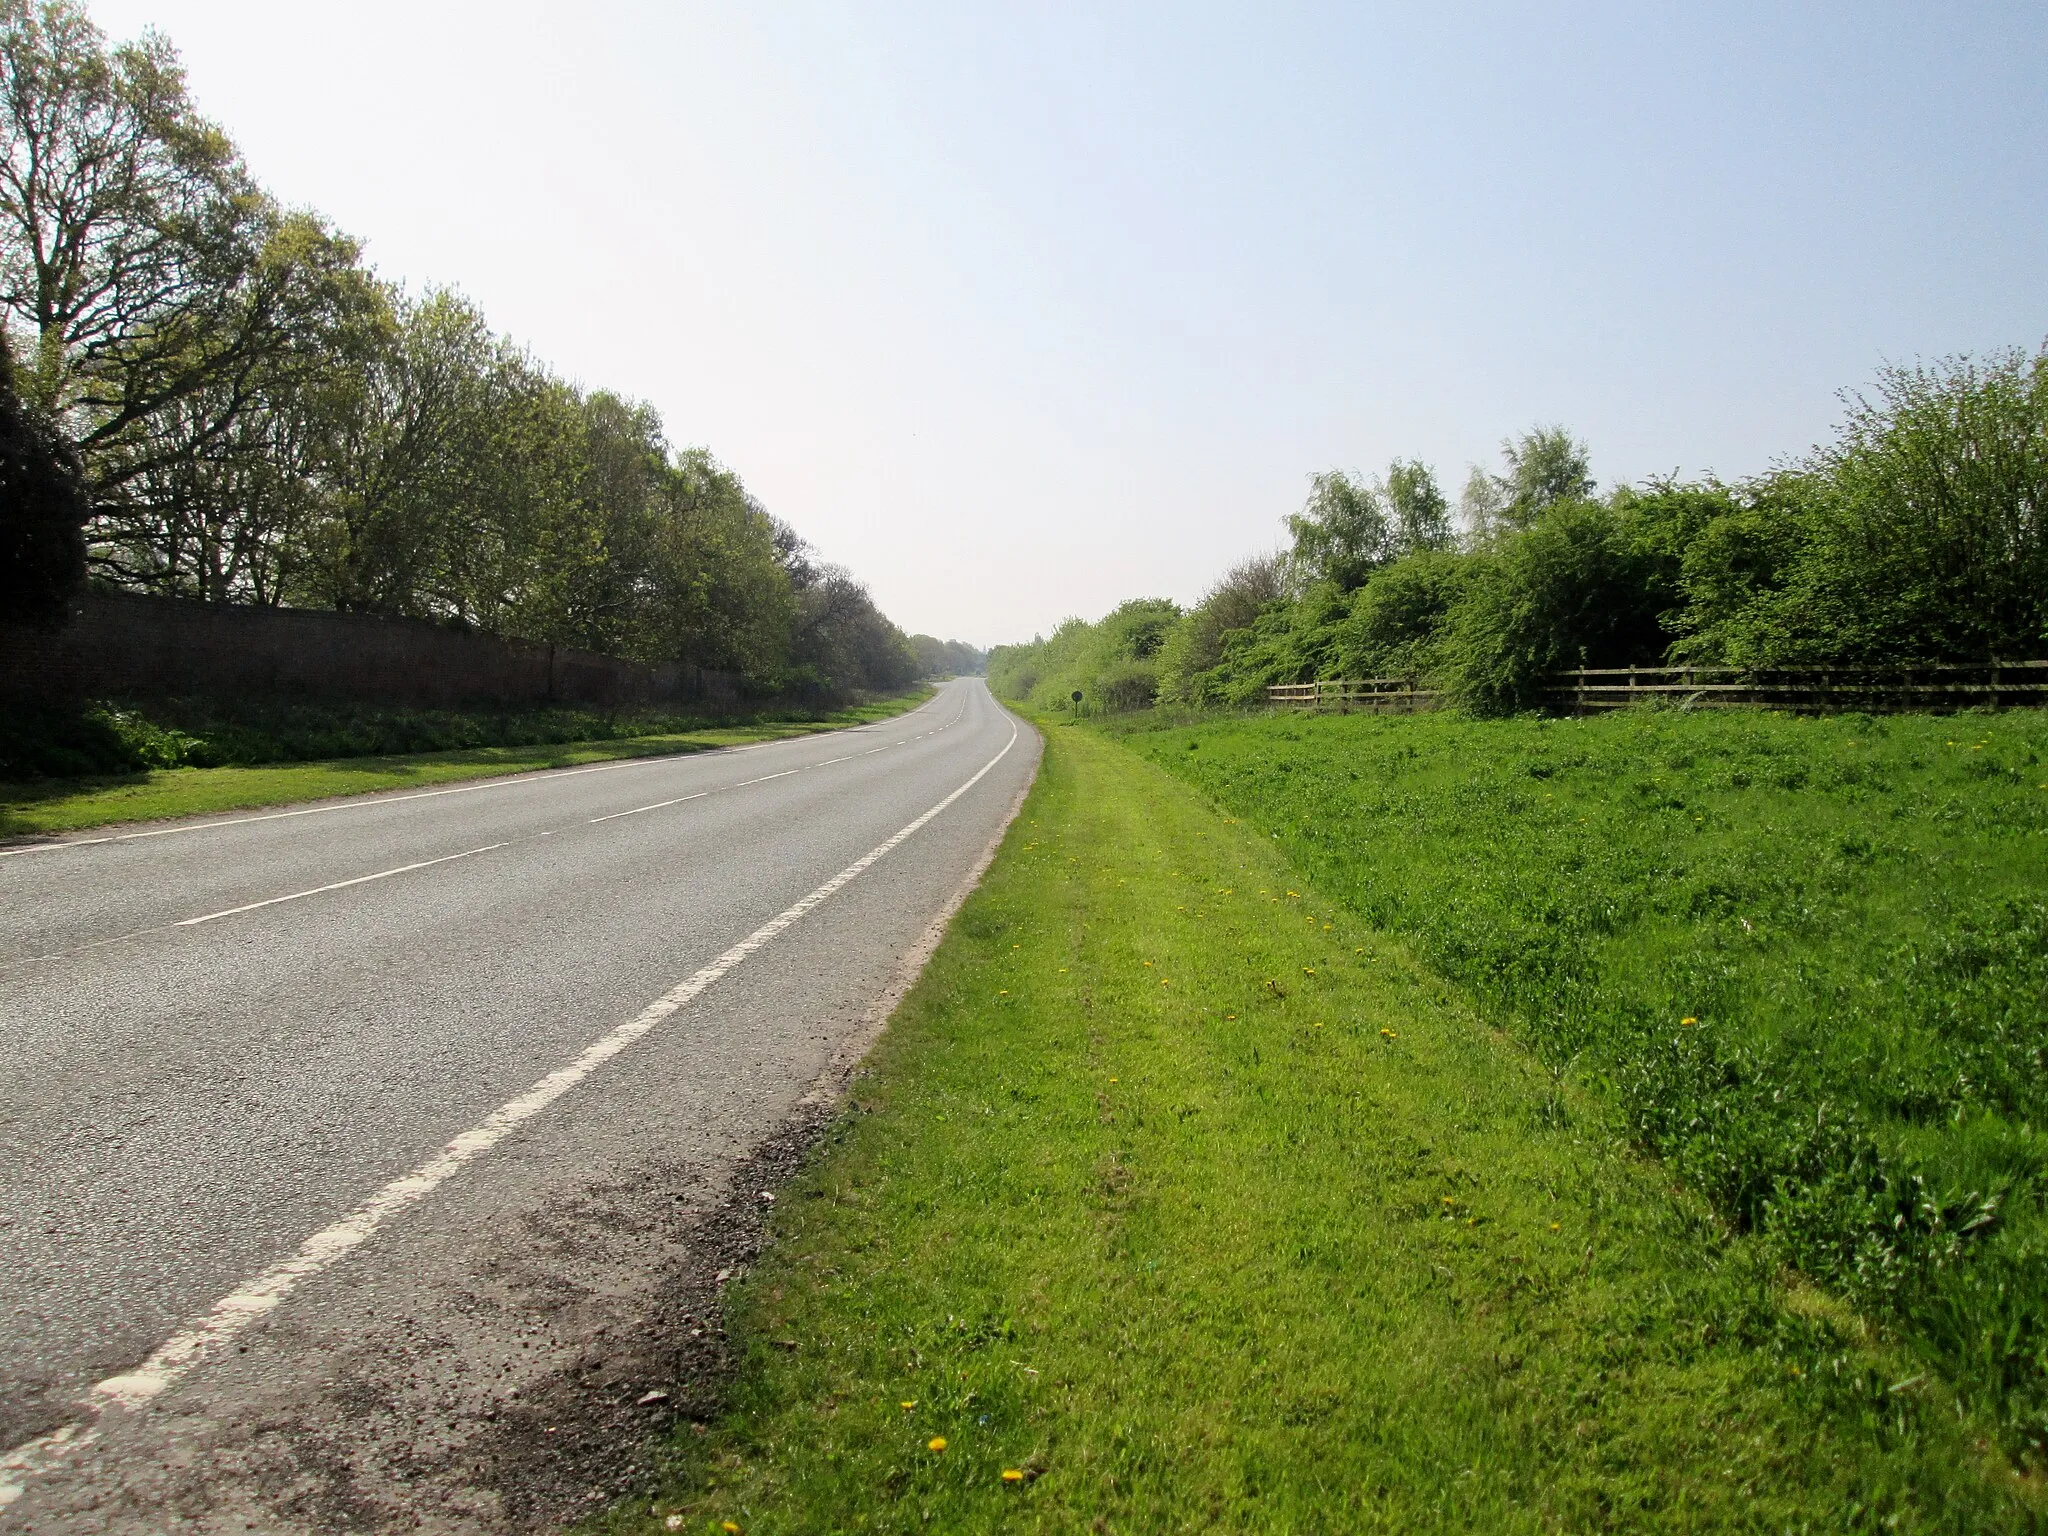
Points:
(1177, 1198)
(1805, 959)
(46, 806)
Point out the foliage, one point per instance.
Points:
(1804, 958)
(1576, 588)
(1175, 1191)
(43, 509)
(1915, 536)
(1340, 534)
(1396, 623)
(947, 658)
(1195, 644)
(260, 419)
(1113, 664)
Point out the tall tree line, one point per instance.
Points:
(254, 416)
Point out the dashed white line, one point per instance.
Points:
(339, 885)
(658, 805)
(132, 1390)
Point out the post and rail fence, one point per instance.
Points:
(1951, 685)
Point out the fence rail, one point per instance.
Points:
(1966, 685)
(1377, 695)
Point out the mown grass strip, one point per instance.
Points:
(1178, 1194)
(55, 807)
(1804, 957)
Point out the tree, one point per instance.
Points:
(135, 250)
(43, 508)
(1421, 516)
(1195, 644)
(1545, 466)
(1341, 533)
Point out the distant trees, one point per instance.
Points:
(1915, 535)
(257, 418)
(947, 658)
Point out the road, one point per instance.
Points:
(376, 1163)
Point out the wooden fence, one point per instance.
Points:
(1970, 685)
(1372, 695)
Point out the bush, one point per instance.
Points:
(1579, 588)
(1396, 624)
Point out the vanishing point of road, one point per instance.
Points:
(375, 1164)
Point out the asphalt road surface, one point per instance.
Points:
(376, 1164)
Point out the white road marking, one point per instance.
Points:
(340, 885)
(508, 781)
(133, 1390)
(189, 922)
(657, 806)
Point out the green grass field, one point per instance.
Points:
(46, 806)
(1806, 959)
(1178, 1198)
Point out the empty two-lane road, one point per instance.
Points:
(333, 1140)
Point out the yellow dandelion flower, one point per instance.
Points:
(1012, 1475)
(1308, 970)
(1145, 962)
(1004, 992)
(1688, 1019)
(728, 1525)
(1555, 1227)
(936, 1443)
(908, 1404)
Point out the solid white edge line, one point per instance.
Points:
(262, 1293)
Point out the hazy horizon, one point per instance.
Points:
(1018, 314)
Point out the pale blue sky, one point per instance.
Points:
(1020, 310)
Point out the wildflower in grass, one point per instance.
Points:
(1012, 1475)
(936, 1443)
(1308, 970)
(907, 1406)
(1003, 992)
(1556, 1227)
(1145, 962)
(729, 1525)
(1688, 1019)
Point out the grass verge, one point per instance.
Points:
(52, 806)
(1805, 958)
(1175, 1198)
